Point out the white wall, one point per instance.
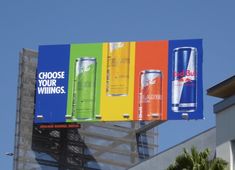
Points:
(225, 125)
(224, 151)
(225, 134)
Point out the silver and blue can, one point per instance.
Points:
(184, 81)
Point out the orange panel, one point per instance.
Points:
(151, 55)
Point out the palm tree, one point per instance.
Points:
(197, 161)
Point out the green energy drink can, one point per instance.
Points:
(84, 88)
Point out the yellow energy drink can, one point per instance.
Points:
(118, 62)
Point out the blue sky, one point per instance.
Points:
(27, 24)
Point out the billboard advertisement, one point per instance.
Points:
(119, 81)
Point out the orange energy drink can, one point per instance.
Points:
(150, 104)
(118, 62)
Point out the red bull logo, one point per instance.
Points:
(185, 73)
(185, 76)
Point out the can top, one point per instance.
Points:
(151, 71)
(86, 58)
(185, 48)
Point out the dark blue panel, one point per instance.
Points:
(192, 91)
(52, 83)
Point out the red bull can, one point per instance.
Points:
(184, 81)
(150, 104)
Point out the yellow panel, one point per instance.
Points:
(116, 108)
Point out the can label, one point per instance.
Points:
(118, 68)
(150, 95)
(184, 79)
(84, 89)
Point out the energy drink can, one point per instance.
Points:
(118, 62)
(84, 88)
(150, 104)
(184, 82)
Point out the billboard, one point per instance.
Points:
(119, 81)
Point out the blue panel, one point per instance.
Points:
(185, 92)
(52, 83)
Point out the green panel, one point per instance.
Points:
(80, 51)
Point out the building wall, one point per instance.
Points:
(224, 151)
(164, 159)
(233, 152)
(24, 124)
(225, 126)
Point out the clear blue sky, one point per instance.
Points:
(27, 24)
